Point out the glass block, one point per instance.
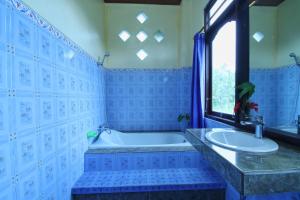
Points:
(159, 36)
(141, 54)
(142, 36)
(258, 36)
(124, 35)
(142, 17)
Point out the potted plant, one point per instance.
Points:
(184, 120)
(244, 106)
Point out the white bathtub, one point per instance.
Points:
(117, 139)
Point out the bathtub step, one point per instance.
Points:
(147, 181)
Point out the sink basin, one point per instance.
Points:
(241, 141)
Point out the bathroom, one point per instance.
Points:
(149, 100)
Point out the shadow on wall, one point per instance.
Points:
(93, 11)
(88, 10)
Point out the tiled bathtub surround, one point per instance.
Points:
(276, 93)
(143, 160)
(50, 95)
(147, 100)
(142, 175)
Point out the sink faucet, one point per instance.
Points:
(258, 121)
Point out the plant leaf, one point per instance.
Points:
(246, 88)
(180, 118)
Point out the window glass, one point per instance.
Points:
(215, 7)
(223, 69)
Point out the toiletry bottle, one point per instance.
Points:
(298, 125)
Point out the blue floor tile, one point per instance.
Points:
(147, 181)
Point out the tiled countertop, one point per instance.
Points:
(252, 173)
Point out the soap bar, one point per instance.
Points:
(91, 134)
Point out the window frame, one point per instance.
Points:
(237, 10)
(242, 69)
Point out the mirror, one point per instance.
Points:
(275, 62)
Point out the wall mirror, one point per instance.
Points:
(275, 62)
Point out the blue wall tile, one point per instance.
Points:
(276, 94)
(43, 119)
(147, 100)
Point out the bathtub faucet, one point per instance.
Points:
(100, 130)
(103, 128)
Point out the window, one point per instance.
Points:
(124, 35)
(227, 49)
(141, 36)
(142, 17)
(217, 9)
(223, 69)
(141, 54)
(159, 36)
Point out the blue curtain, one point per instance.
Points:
(198, 87)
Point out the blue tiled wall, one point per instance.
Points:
(147, 100)
(47, 103)
(276, 93)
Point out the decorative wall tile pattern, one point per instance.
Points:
(147, 100)
(276, 94)
(42, 122)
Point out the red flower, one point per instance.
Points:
(254, 106)
(237, 107)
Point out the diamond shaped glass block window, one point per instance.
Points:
(142, 17)
(141, 54)
(141, 36)
(258, 36)
(159, 36)
(124, 35)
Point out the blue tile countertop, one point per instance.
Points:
(147, 181)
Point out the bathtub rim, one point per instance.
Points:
(145, 148)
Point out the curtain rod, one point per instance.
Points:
(203, 27)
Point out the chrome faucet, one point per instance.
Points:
(258, 121)
(103, 128)
(100, 130)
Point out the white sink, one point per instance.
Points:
(241, 141)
